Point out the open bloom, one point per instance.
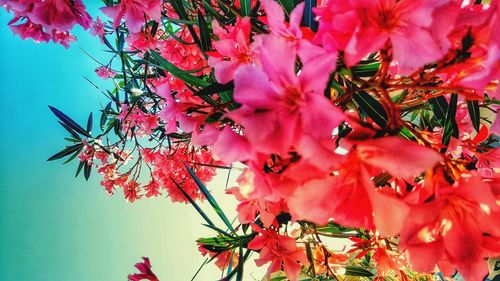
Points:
(276, 103)
(279, 250)
(134, 12)
(459, 227)
(415, 29)
(232, 49)
(372, 208)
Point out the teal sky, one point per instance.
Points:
(53, 226)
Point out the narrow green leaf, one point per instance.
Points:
(197, 208)
(87, 168)
(450, 124)
(72, 157)
(206, 42)
(239, 268)
(65, 152)
(68, 121)
(372, 108)
(474, 113)
(79, 169)
(68, 128)
(245, 7)
(439, 107)
(287, 5)
(357, 271)
(177, 72)
(365, 69)
(89, 123)
(210, 199)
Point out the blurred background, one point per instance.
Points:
(54, 226)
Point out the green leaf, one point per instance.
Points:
(89, 123)
(474, 113)
(68, 121)
(439, 107)
(365, 69)
(177, 72)
(206, 42)
(87, 168)
(197, 208)
(357, 271)
(245, 7)
(79, 169)
(450, 124)
(65, 152)
(287, 5)
(210, 199)
(372, 108)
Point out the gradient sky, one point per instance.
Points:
(53, 226)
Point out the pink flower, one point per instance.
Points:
(59, 14)
(29, 29)
(131, 191)
(134, 12)
(232, 49)
(105, 72)
(460, 226)
(279, 250)
(248, 209)
(275, 118)
(145, 271)
(97, 28)
(372, 208)
(362, 27)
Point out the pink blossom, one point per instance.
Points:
(232, 49)
(363, 27)
(105, 72)
(145, 271)
(134, 12)
(60, 15)
(458, 227)
(279, 250)
(276, 117)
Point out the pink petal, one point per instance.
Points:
(251, 87)
(399, 157)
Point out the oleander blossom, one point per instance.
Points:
(134, 12)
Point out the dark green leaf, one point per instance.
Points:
(65, 152)
(68, 128)
(245, 7)
(68, 121)
(87, 168)
(439, 106)
(372, 108)
(287, 5)
(365, 69)
(80, 166)
(198, 209)
(210, 199)
(357, 271)
(206, 42)
(89, 123)
(450, 124)
(474, 113)
(308, 17)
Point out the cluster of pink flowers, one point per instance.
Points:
(381, 122)
(47, 20)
